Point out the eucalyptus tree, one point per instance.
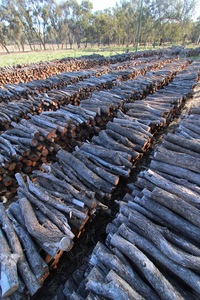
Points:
(126, 13)
(184, 11)
(58, 29)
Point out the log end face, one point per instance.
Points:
(66, 244)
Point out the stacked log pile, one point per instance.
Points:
(157, 109)
(37, 102)
(35, 141)
(70, 190)
(23, 148)
(42, 70)
(152, 248)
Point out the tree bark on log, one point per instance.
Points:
(114, 288)
(37, 264)
(123, 140)
(24, 269)
(189, 277)
(117, 170)
(177, 204)
(164, 289)
(111, 156)
(178, 159)
(9, 278)
(113, 179)
(152, 233)
(84, 172)
(132, 135)
(178, 190)
(125, 271)
(56, 239)
(174, 221)
(51, 201)
(177, 148)
(181, 172)
(110, 143)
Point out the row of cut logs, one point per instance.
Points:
(152, 249)
(42, 70)
(33, 142)
(15, 91)
(63, 197)
(37, 100)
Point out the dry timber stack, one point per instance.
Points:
(36, 141)
(35, 96)
(152, 246)
(42, 70)
(54, 206)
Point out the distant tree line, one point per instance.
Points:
(63, 24)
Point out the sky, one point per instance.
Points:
(103, 4)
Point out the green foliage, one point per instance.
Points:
(64, 24)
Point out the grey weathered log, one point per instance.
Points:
(9, 146)
(58, 203)
(25, 141)
(181, 181)
(179, 241)
(135, 206)
(113, 156)
(84, 172)
(177, 204)
(174, 221)
(181, 172)
(188, 276)
(162, 286)
(9, 278)
(177, 148)
(150, 231)
(178, 159)
(123, 140)
(45, 197)
(37, 264)
(132, 135)
(56, 238)
(179, 190)
(114, 288)
(118, 170)
(24, 269)
(110, 143)
(113, 179)
(49, 211)
(124, 270)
